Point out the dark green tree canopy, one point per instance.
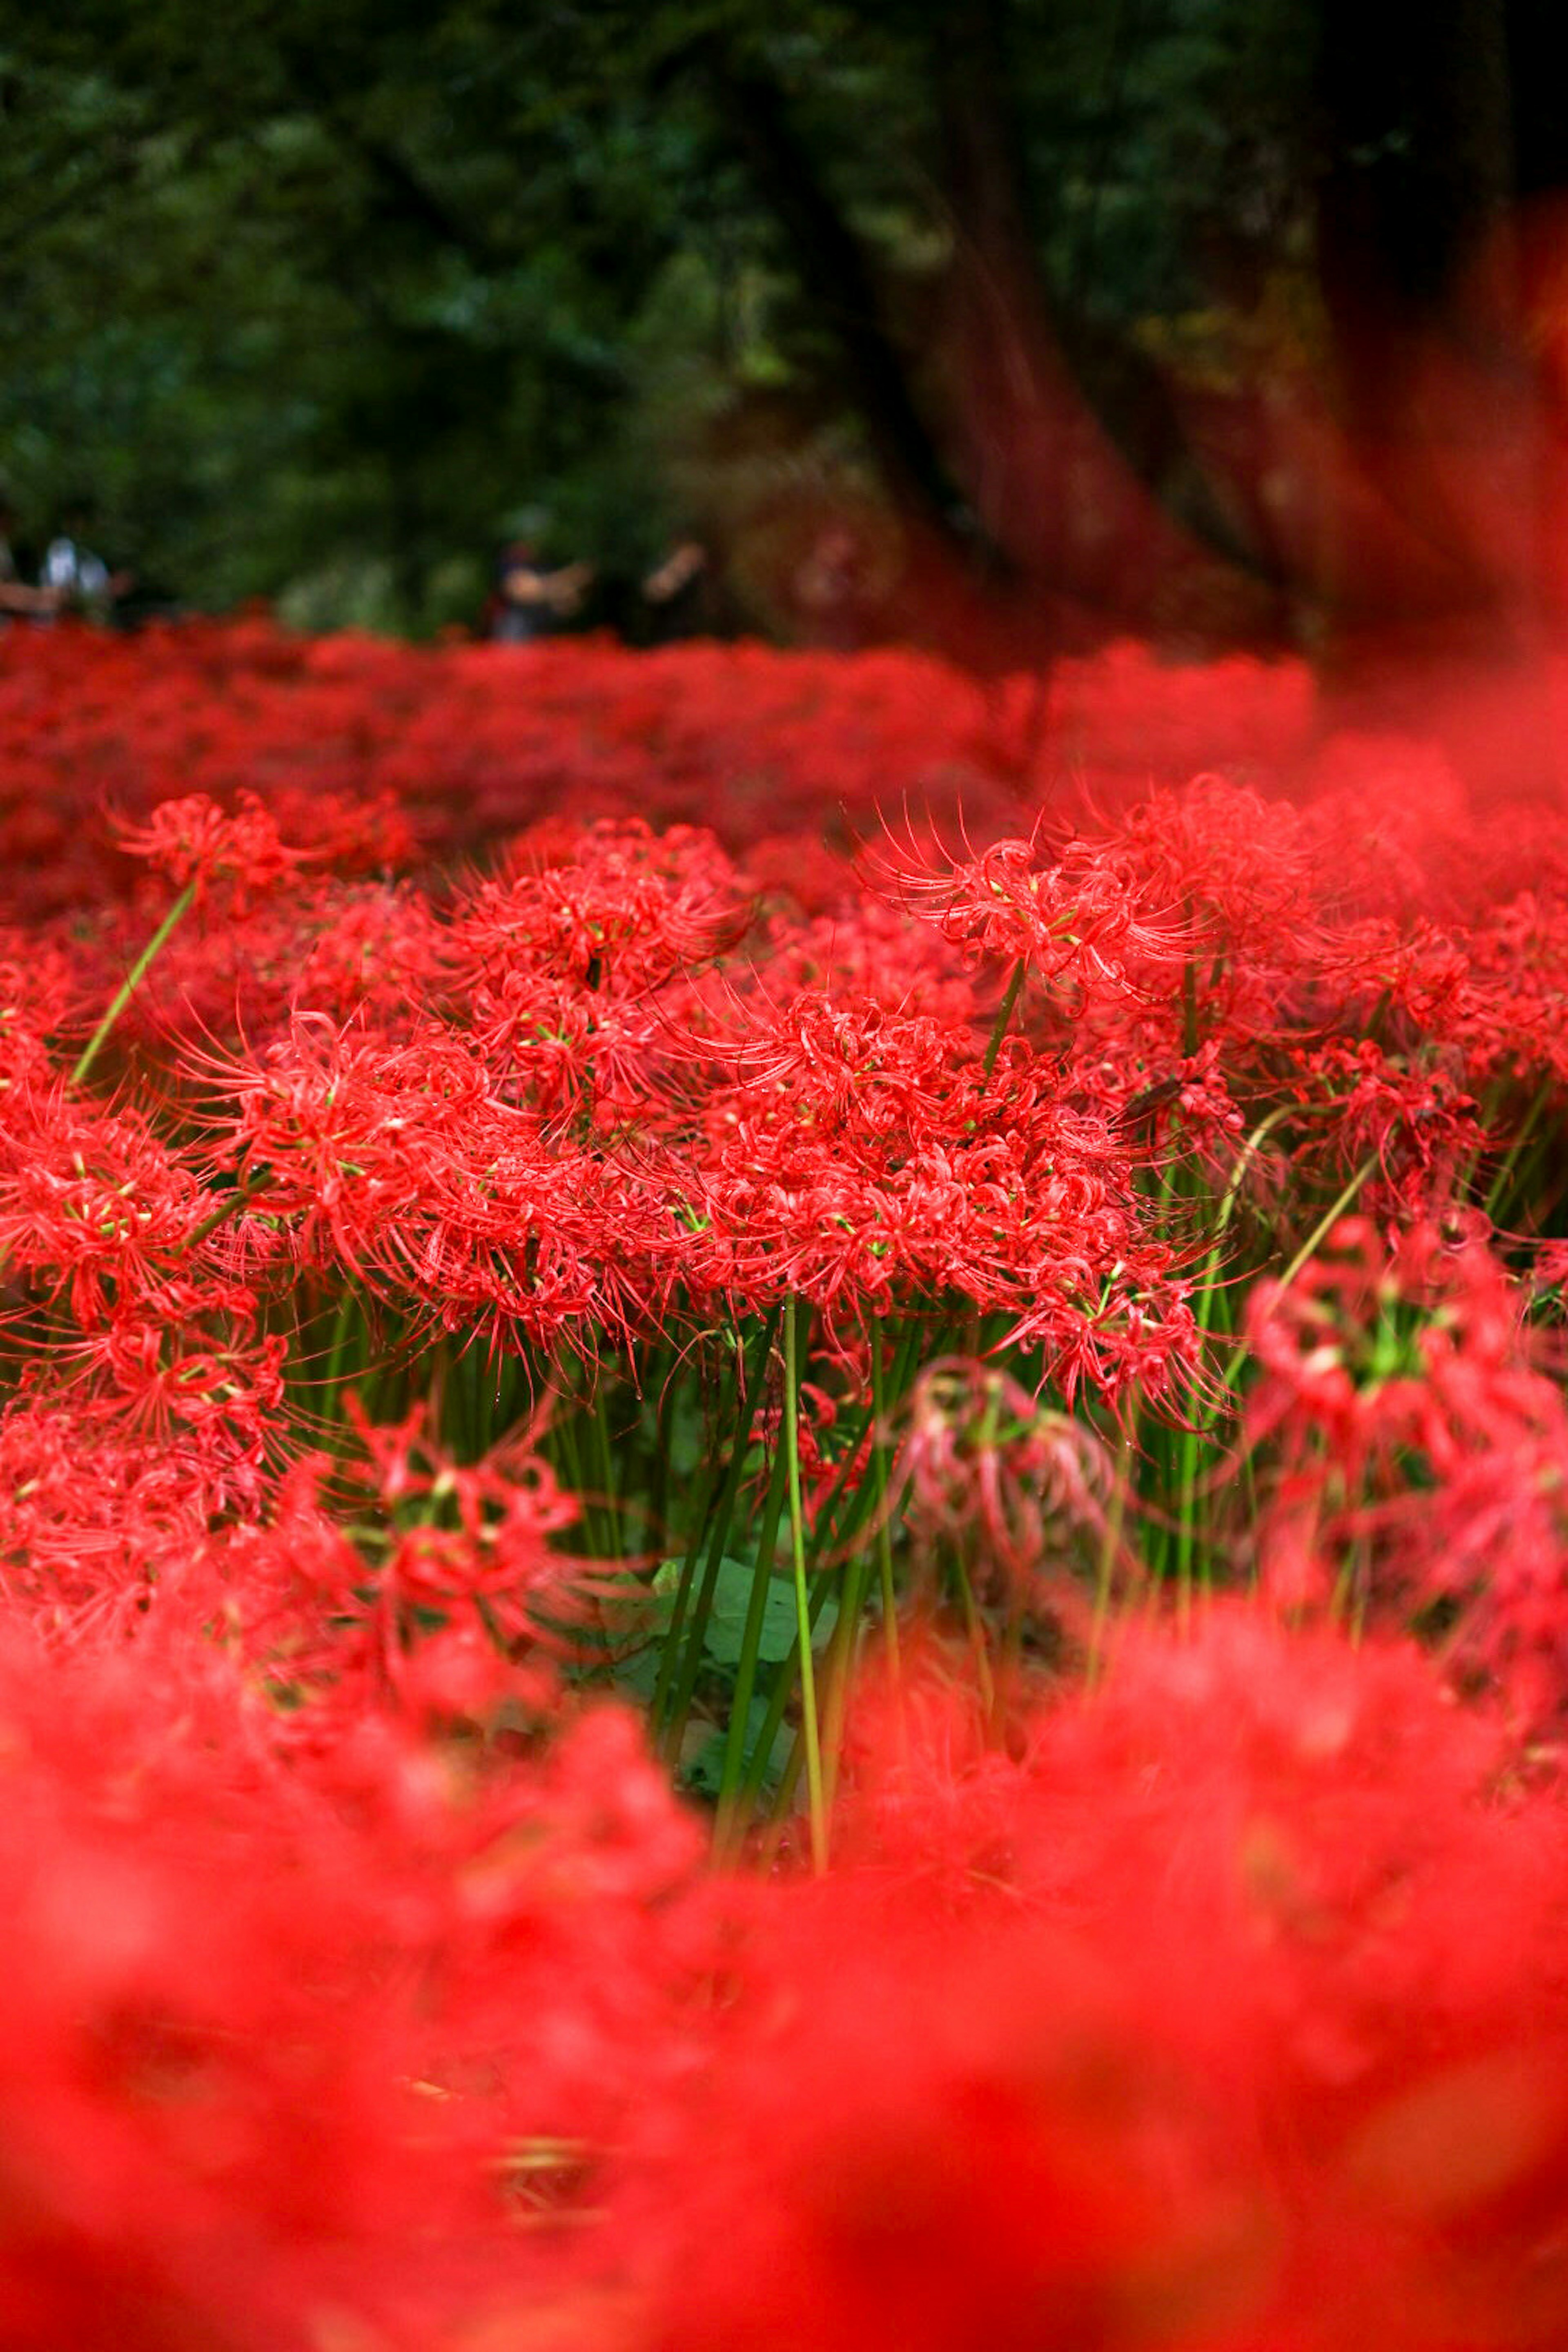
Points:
(320, 299)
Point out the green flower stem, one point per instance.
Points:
(1314, 1239)
(861, 1498)
(862, 1503)
(1171, 1547)
(670, 1652)
(1005, 1014)
(669, 1655)
(131, 983)
(732, 1770)
(1109, 1545)
(976, 1633)
(802, 1601)
(719, 1536)
(483, 1398)
(1008, 1682)
(841, 1657)
(338, 1356)
(782, 1802)
(239, 1197)
(606, 1457)
(884, 1526)
(570, 1455)
(1185, 1537)
(778, 1699)
(1498, 1190)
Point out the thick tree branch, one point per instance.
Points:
(833, 268)
(987, 181)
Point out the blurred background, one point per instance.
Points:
(1002, 327)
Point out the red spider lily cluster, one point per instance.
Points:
(619, 1271)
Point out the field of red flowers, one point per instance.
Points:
(784, 1507)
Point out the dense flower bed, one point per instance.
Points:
(783, 1512)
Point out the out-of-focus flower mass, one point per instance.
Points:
(784, 1507)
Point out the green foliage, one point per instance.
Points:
(318, 300)
(727, 1623)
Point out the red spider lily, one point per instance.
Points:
(313, 946)
(856, 1161)
(1418, 1122)
(848, 1061)
(348, 1122)
(555, 969)
(1252, 1968)
(617, 911)
(1259, 2029)
(987, 1465)
(1064, 909)
(352, 833)
(93, 1203)
(92, 1516)
(1513, 1013)
(1374, 1365)
(874, 954)
(461, 1553)
(37, 991)
(505, 1507)
(195, 845)
(273, 2017)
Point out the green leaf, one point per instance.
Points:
(635, 1676)
(701, 1776)
(727, 1624)
(733, 1597)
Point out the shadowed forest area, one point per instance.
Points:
(1235, 322)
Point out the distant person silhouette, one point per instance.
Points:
(676, 595)
(529, 602)
(76, 578)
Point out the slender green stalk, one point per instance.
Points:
(1243, 1159)
(239, 1197)
(576, 1475)
(1007, 1681)
(782, 1804)
(660, 1381)
(1109, 1545)
(976, 1633)
(696, 1637)
(1190, 1023)
(841, 1657)
(479, 1409)
(802, 1600)
(338, 1354)
(1176, 1457)
(1314, 1239)
(863, 1502)
(719, 1536)
(1005, 1014)
(733, 1766)
(605, 1461)
(785, 1678)
(131, 983)
(884, 1528)
(778, 1699)
(670, 1653)
(865, 1497)
(1496, 1192)
(1186, 1535)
